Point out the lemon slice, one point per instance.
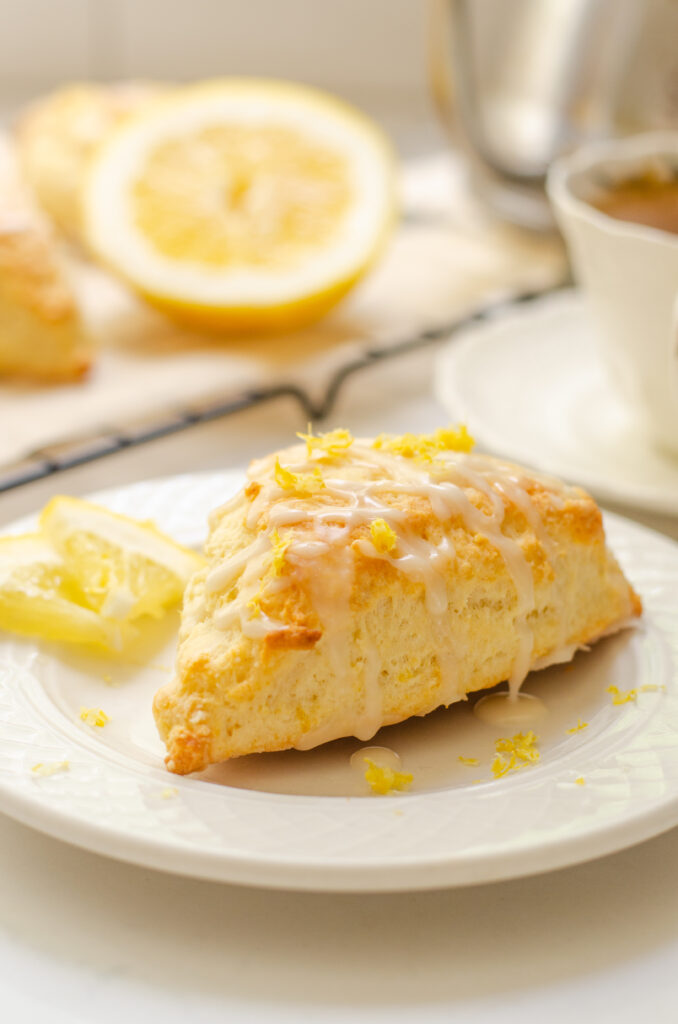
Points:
(242, 204)
(39, 598)
(123, 568)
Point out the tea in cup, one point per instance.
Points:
(616, 203)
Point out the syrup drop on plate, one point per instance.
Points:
(507, 710)
(383, 757)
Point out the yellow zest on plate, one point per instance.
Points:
(580, 781)
(95, 717)
(327, 446)
(50, 767)
(515, 753)
(425, 447)
(621, 696)
(628, 696)
(242, 204)
(302, 484)
(88, 575)
(383, 779)
(384, 537)
(578, 727)
(471, 762)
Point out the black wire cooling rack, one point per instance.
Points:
(53, 459)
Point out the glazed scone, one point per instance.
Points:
(352, 584)
(58, 135)
(41, 331)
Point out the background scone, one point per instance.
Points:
(41, 331)
(58, 135)
(353, 584)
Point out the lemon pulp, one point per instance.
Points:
(123, 568)
(232, 195)
(242, 204)
(38, 597)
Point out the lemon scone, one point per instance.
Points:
(354, 583)
(41, 331)
(59, 133)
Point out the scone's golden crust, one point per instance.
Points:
(311, 622)
(58, 135)
(41, 331)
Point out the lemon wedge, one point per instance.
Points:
(38, 597)
(123, 568)
(242, 204)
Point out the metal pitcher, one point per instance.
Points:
(519, 82)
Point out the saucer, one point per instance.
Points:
(531, 387)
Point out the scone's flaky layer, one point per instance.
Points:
(351, 586)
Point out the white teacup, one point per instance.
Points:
(629, 273)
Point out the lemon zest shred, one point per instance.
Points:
(521, 750)
(254, 603)
(280, 547)
(426, 447)
(472, 762)
(302, 484)
(502, 765)
(330, 445)
(580, 781)
(50, 767)
(578, 727)
(621, 696)
(383, 780)
(383, 536)
(94, 717)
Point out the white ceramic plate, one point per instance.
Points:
(305, 820)
(531, 387)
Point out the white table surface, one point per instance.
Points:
(85, 939)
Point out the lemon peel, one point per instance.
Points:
(622, 696)
(580, 781)
(302, 484)
(50, 767)
(382, 779)
(578, 727)
(521, 750)
(280, 547)
(95, 717)
(426, 447)
(330, 445)
(384, 537)
(472, 762)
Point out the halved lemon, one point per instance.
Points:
(123, 568)
(38, 597)
(242, 204)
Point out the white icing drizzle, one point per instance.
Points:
(332, 515)
(224, 575)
